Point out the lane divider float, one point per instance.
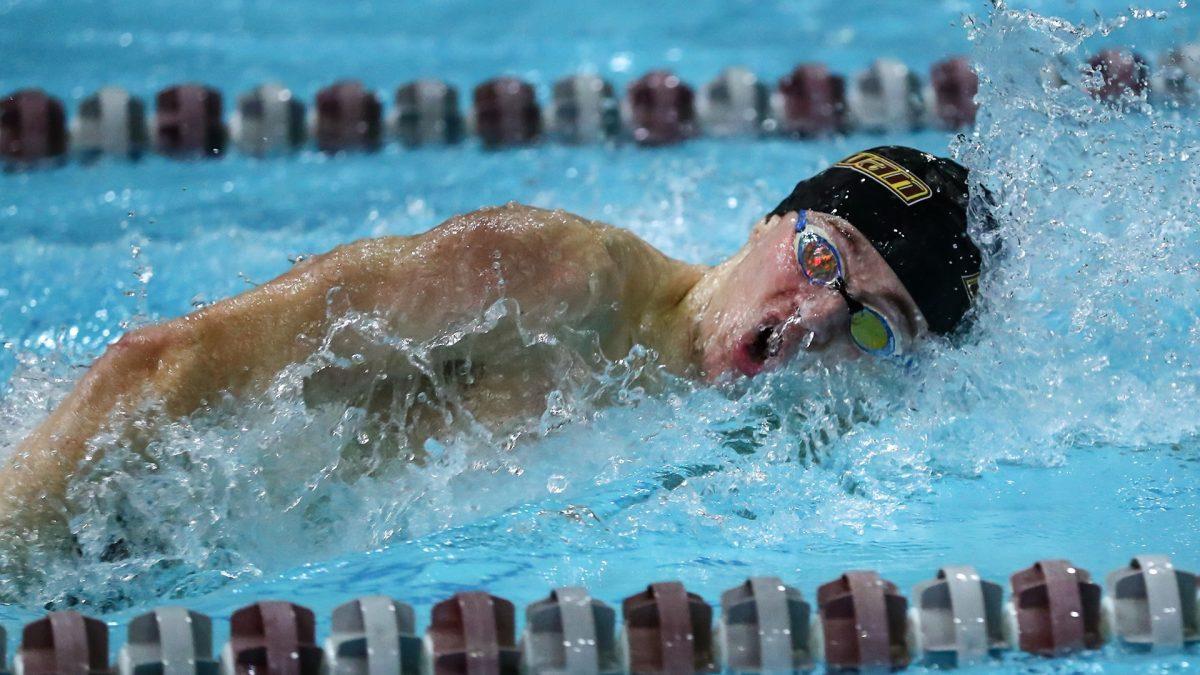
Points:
(656, 109)
(860, 622)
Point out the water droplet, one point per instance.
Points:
(557, 484)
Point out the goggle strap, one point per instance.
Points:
(852, 304)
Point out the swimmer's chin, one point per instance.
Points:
(739, 367)
(747, 364)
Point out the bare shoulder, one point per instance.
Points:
(515, 223)
(547, 260)
(524, 247)
(533, 234)
(510, 234)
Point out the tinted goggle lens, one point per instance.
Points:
(818, 260)
(871, 332)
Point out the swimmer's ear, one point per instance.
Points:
(762, 226)
(770, 222)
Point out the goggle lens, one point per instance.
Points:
(819, 261)
(871, 333)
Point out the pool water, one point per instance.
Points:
(1065, 426)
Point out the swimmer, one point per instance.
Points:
(862, 260)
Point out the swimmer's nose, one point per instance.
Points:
(825, 316)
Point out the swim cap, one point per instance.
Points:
(912, 206)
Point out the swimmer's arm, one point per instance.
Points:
(179, 365)
(556, 272)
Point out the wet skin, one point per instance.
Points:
(584, 283)
(763, 311)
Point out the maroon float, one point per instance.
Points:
(954, 85)
(662, 109)
(349, 117)
(273, 637)
(813, 101)
(864, 621)
(473, 633)
(1122, 72)
(64, 643)
(187, 121)
(668, 630)
(32, 127)
(1057, 608)
(506, 113)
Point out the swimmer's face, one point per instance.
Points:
(766, 312)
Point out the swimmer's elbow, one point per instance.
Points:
(143, 351)
(143, 346)
(156, 360)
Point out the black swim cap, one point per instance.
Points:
(912, 206)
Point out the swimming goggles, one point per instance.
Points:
(822, 264)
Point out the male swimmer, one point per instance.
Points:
(863, 259)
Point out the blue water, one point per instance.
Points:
(1065, 427)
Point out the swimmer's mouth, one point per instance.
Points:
(761, 345)
(772, 342)
(767, 343)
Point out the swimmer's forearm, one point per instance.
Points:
(33, 485)
(237, 345)
(177, 366)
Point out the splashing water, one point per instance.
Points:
(1092, 311)
(1081, 352)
